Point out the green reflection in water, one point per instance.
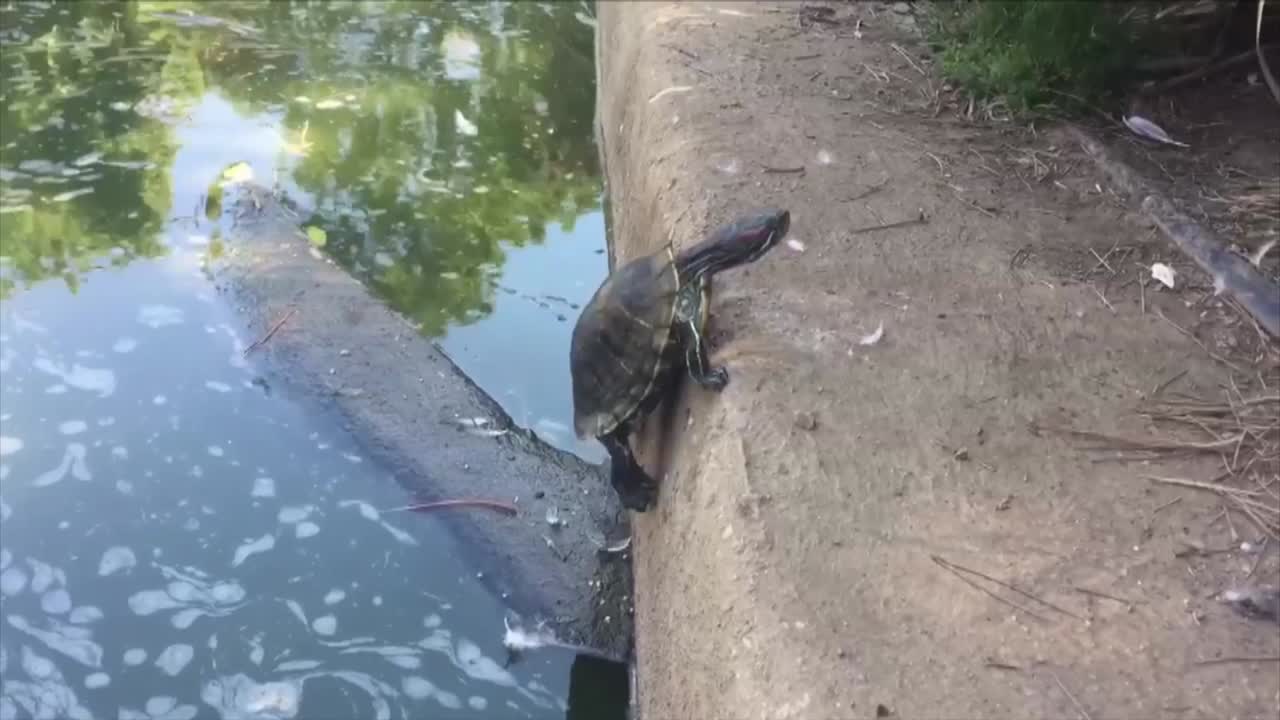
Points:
(426, 135)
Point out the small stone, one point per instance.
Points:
(344, 352)
(962, 454)
(881, 710)
(901, 8)
(806, 421)
(538, 494)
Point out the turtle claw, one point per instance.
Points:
(716, 379)
(637, 497)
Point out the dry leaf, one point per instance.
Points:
(1164, 274)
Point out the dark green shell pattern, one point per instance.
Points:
(622, 343)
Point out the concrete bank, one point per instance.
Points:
(813, 549)
(343, 352)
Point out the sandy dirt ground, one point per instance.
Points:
(904, 528)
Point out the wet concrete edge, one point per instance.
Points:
(397, 394)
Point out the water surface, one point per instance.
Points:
(178, 540)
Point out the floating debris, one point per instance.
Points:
(553, 517)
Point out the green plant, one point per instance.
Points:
(1033, 53)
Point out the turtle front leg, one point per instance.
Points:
(700, 369)
(636, 490)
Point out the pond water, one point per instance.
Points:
(176, 541)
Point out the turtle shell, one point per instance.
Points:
(623, 343)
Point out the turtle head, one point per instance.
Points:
(742, 241)
(760, 232)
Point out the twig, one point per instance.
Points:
(502, 507)
(1142, 292)
(1181, 482)
(1079, 708)
(1103, 261)
(955, 568)
(1097, 593)
(1169, 504)
(1242, 659)
(1262, 57)
(1104, 300)
(1196, 340)
(262, 340)
(869, 191)
(783, 170)
(918, 220)
(904, 54)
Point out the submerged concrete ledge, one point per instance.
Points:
(400, 398)
(805, 556)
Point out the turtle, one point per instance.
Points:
(643, 324)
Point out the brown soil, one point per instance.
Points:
(802, 559)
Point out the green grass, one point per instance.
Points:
(1036, 53)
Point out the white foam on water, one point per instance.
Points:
(116, 558)
(253, 547)
(6, 557)
(305, 530)
(120, 452)
(162, 707)
(148, 602)
(94, 681)
(377, 601)
(335, 596)
(173, 659)
(43, 575)
(296, 665)
(294, 514)
(73, 461)
(325, 625)
(472, 660)
(216, 386)
(448, 699)
(56, 602)
(9, 445)
(401, 536)
(5, 510)
(368, 511)
(124, 487)
(125, 345)
(431, 621)
(107, 421)
(4, 473)
(69, 640)
(239, 697)
(296, 609)
(159, 400)
(184, 618)
(263, 487)
(408, 662)
(352, 458)
(216, 451)
(56, 389)
(99, 380)
(158, 316)
(73, 427)
(47, 696)
(13, 581)
(86, 614)
(477, 703)
(418, 688)
(134, 656)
